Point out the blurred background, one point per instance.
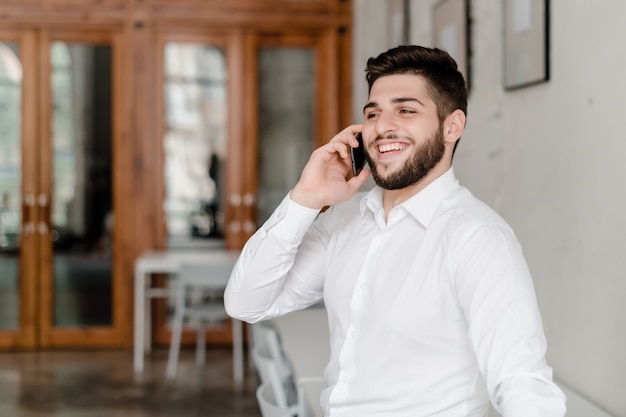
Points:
(131, 125)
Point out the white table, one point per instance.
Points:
(305, 341)
(169, 262)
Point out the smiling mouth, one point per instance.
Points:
(392, 147)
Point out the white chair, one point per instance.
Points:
(271, 340)
(288, 392)
(283, 390)
(267, 403)
(209, 310)
(316, 384)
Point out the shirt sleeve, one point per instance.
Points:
(496, 292)
(271, 277)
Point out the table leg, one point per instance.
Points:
(138, 331)
(147, 318)
(238, 350)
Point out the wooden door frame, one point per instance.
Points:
(92, 336)
(232, 43)
(327, 103)
(25, 335)
(242, 166)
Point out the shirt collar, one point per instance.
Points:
(422, 205)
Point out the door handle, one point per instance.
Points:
(36, 211)
(28, 228)
(42, 228)
(29, 200)
(42, 200)
(28, 214)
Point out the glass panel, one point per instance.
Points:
(195, 143)
(82, 213)
(10, 183)
(286, 122)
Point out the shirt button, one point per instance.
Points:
(353, 334)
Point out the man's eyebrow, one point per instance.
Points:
(405, 99)
(398, 100)
(370, 105)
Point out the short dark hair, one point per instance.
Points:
(446, 84)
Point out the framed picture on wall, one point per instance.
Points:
(526, 43)
(451, 21)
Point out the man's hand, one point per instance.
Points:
(323, 181)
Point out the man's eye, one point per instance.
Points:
(407, 111)
(371, 115)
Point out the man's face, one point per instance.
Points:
(402, 134)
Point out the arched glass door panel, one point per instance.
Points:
(81, 201)
(10, 183)
(195, 143)
(287, 117)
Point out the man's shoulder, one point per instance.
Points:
(462, 209)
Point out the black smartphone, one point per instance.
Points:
(358, 156)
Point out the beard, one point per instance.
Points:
(423, 160)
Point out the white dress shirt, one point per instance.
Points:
(431, 313)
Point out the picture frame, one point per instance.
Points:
(451, 26)
(526, 43)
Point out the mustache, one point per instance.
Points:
(390, 136)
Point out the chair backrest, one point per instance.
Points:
(262, 362)
(269, 374)
(271, 339)
(272, 346)
(209, 276)
(200, 284)
(256, 334)
(267, 403)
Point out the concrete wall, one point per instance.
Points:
(550, 159)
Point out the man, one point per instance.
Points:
(431, 306)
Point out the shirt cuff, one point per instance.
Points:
(291, 220)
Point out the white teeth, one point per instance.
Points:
(391, 147)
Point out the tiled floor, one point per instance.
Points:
(102, 384)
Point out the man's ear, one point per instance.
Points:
(453, 126)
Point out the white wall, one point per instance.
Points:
(550, 159)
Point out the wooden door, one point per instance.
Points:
(199, 78)
(63, 179)
(279, 101)
(18, 186)
(293, 84)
